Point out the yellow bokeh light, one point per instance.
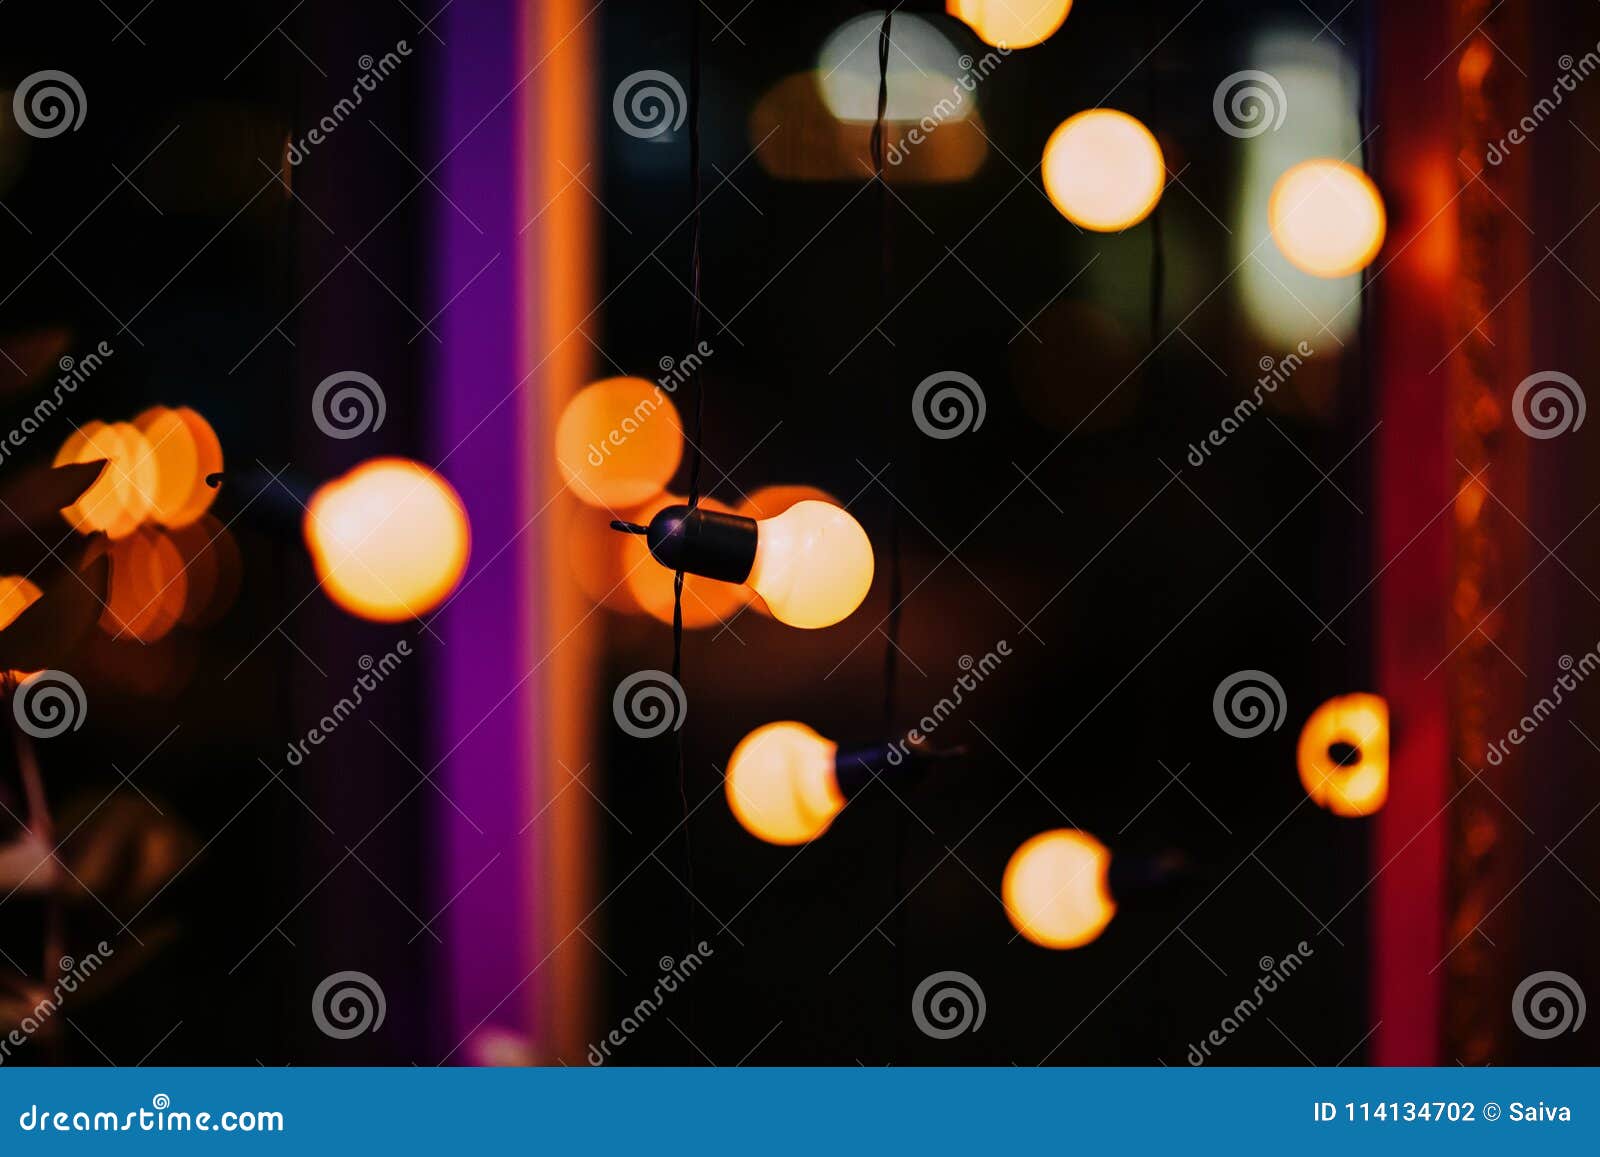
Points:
(618, 442)
(1327, 218)
(1343, 755)
(1055, 889)
(389, 540)
(781, 783)
(148, 589)
(1104, 170)
(208, 460)
(177, 460)
(120, 498)
(813, 564)
(1011, 23)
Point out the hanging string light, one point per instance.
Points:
(812, 564)
(1057, 888)
(1103, 170)
(786, 783)
(1011, 23)
(1327, 217)
(1343, 755)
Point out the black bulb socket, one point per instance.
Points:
(1131, 876)
(900, 760)
(703, 542)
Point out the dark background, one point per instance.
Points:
(1115, 653)
(1078, 549)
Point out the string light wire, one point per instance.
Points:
(891, 652)
(695, 442)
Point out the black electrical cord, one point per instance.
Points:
(695, 454)
(892, 650)
(891, 653)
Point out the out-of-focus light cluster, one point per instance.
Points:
(170, 561)
(162, 578)
(618, 443)
(156, 468)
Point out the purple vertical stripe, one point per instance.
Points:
(480, 739)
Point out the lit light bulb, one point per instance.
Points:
(1011, 23)
(1056, 889)
(1327, 218)
(771, 501)
(1343, 755)
(1104, 170)
(618, 442)
(812, 564)
(785, 783)
(781, 783)
(389, 540)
